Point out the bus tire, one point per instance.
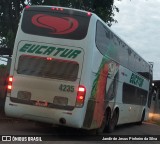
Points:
(112, 122)
(142, 118)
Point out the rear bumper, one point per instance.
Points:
(73, 118)
(32, 103)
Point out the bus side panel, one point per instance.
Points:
(103, 82)
(130, 102)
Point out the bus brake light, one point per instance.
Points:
(80, 96)
(9, 87)
(10, 80)
(81, 89)
(48, 58)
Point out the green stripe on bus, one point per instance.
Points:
(49, 50)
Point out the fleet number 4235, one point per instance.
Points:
(66, 88)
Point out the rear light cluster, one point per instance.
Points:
(61, 9)
(57, 9)
(9, 86)
(80, 96)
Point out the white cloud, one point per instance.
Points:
(139, 26)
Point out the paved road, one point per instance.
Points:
(25, 128)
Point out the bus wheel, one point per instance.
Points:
(142, 118)
(112, 122)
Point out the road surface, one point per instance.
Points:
(22, 129)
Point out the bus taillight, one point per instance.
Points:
(80, 96)
(49, 59)
(9, 86)
(10, 79)
(27, 7)
(89, 13)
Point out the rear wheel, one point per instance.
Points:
(108, 123)
(112, 122)
(142, 118)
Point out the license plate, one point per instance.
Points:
(40, 103)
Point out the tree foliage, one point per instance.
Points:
(10, 11)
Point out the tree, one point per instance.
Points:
(9, 17)
(10, 11)
(103, 8)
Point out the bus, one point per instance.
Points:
(69, 69)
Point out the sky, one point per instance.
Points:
(139, 26)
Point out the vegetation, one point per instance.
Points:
(2, 66)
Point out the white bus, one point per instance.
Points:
(68, 68)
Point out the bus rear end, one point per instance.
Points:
(45, 77)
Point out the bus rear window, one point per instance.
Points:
(55, 24)
(48, 67)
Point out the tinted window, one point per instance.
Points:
(131, 59)
(55, 24)
(102, 38)
(48, 68)
(123, 56)
(144, 69)
(112, 46)
(134, 95)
